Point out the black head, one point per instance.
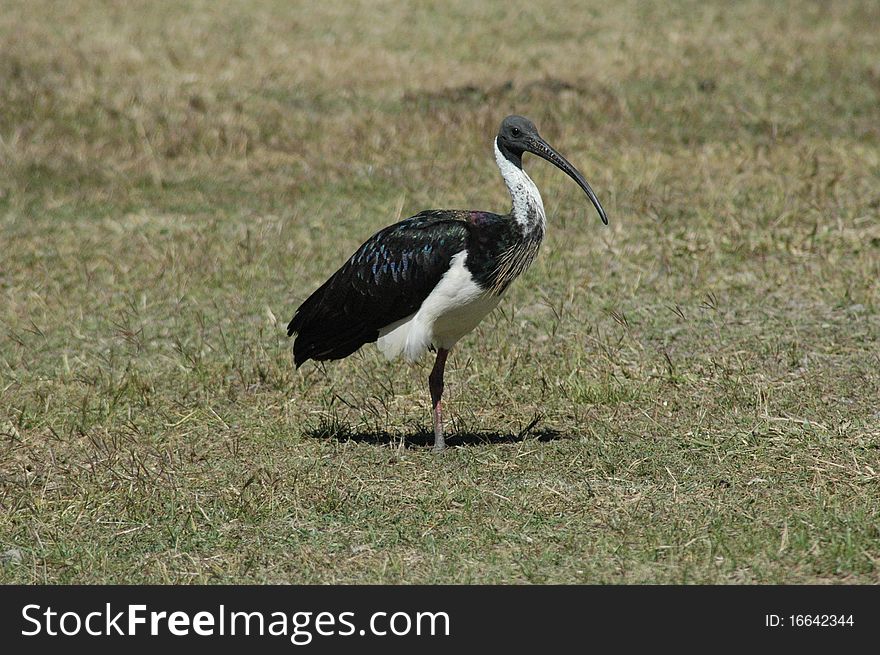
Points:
(518, 135)
(514, 137)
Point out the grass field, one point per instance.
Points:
(690, 395)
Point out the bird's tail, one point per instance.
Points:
(326, 330)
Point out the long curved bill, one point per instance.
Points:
(543, 149)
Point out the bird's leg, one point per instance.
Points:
(435, 383)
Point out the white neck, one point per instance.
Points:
(528, 208)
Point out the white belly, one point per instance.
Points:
(455, 323)
(455, 307)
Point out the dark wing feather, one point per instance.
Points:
(384, 281)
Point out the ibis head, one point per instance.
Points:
(518, 135)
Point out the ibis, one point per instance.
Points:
(427, 281)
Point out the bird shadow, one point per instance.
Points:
(425, 438)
